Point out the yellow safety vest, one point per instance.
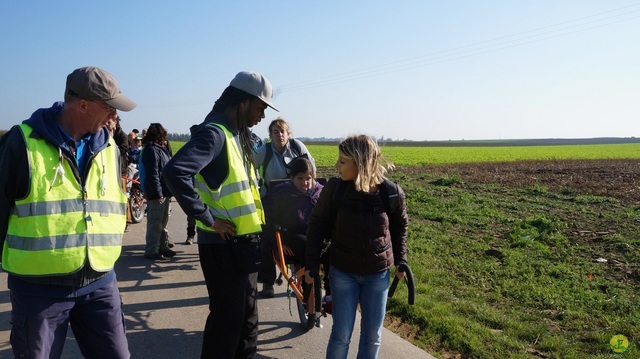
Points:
(59, 225)
(237, 199)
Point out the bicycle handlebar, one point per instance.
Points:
(410, 284)
(317, 291)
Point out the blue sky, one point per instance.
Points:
(419, 70)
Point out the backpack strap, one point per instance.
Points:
(390, 195)
(295, 146)
(268, 155)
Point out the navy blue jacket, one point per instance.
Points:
(154, 159)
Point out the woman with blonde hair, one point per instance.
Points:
(365, 216)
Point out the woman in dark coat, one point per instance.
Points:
(368, 236)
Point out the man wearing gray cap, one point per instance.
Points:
(225, 202)
(62, 217)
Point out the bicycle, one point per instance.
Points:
(137, 203)
(308, 299)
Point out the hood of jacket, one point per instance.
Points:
(43, 122)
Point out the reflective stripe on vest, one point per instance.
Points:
(237, 199)
(58, 227)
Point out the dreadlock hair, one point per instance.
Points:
(372, 166)
(230, 97)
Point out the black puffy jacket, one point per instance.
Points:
(364, 239)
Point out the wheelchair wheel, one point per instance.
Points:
(307, 317)
(306, 311)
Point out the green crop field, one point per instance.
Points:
(528, 259)
(327, 154)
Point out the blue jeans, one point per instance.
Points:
(348, 290)
(157, 235)
(39, 324)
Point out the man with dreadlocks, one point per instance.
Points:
(213, 179)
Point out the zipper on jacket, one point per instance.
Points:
(85, 203)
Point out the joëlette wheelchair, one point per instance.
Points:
(309, 303)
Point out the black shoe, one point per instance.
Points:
(167, 253)
(170, 244)
(156, 257)
(327, 304)
(267, 290)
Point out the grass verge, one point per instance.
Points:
(507, 268)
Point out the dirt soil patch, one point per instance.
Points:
(610, 178)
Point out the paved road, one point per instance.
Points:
(165, 305)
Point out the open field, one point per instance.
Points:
(408, 154)
(326, 155)
(529, 259)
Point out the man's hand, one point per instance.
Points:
(287, 251)
(224, 228)
(307, 277)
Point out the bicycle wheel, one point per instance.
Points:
(136, 204)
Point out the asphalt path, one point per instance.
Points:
(166, 304)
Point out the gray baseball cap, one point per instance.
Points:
(94, 84)
(254, 84)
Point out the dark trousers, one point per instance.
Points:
(231, 330)
(39, 324)
(191, 227)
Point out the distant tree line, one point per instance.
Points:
(183, 137)
(512, 142)
(178, 137)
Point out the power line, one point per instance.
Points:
(564, 28)
(475, 49)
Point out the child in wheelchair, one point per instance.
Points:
(287, 209)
